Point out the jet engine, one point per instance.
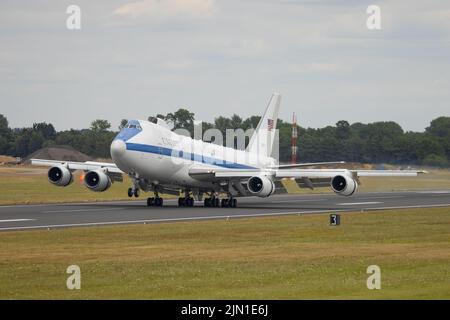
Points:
(261, 186)
(344, 185)
(60, 176)
(97, 180)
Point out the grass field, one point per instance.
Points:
(292, 257)
(25, 185)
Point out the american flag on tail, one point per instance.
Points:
(269, 124)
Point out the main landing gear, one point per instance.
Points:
(155, 202)
(224, 203)
(230, 203)
(185, 202)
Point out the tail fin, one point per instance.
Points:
(262, 140)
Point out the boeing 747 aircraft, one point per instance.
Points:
(159, 160)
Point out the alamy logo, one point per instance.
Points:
(374, 20)
(74, 280)
(73, 22)
(374, 280)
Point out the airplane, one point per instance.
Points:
(161, 161)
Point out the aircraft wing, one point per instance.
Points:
(71, 165)
(330, 173)
(290, 179)
(218, 174)
(306, 164)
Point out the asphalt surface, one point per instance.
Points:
(26, 217)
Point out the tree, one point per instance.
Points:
(439, 127)
(435, 161)
(251, 122)
(343, 129)
(36, 141)
(4, 127)
(123, 123)
(182, 118)
(235, 122)
(222, 124)
(5, 135)
(100, 125)
(46, 129)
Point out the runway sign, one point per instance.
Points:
(335, 219)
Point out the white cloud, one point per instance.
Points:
(164, 9)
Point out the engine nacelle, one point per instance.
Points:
(97, 180)
(344, 185)
(261, 186)
(60, 176)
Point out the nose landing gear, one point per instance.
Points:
(133, 192)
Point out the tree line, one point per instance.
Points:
(378, 142)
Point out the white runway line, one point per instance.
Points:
(387, 197)
(424, 206)
(434, 192)
(16, 220)
(356, 203)
(81, 210)
(293, 201)
(87, 224)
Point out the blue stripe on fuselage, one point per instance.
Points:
(185, 155)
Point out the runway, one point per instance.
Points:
(28, 217)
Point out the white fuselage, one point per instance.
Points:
(153, 153)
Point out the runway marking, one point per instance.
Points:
(411, 207)
(81, 210)
(356, 203)
(293, 200)
(65, 204)
(435, 192)
(169, 219)
(211, 217)
(387, 197)
(16, 220)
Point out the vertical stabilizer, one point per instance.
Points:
(262, 140)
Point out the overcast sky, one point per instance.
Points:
(132, 59)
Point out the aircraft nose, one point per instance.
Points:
(118, 148)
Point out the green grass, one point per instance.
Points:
(25, 186)
(292, 257)
(434, 179)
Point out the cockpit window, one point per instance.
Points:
(133, 126)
